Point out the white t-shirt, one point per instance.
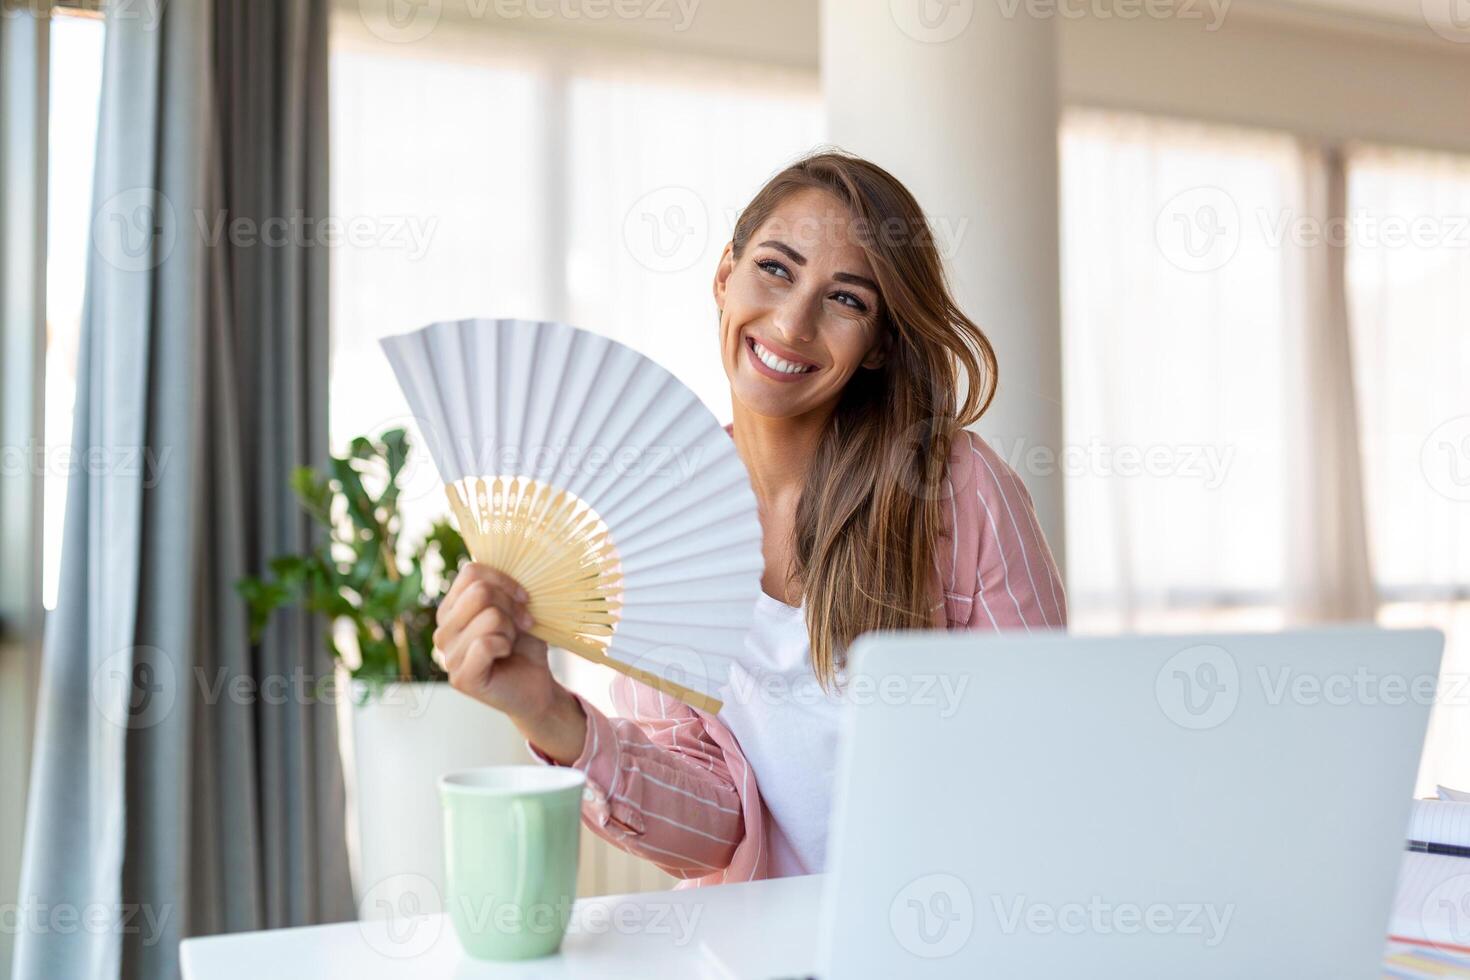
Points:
(787, 727)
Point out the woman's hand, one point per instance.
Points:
(491, 657)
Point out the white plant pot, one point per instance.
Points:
(399, 739)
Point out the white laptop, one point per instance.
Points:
(1044, 806)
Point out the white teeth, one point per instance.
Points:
(776, 363)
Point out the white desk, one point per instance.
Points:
(770, 927)
(642, 937)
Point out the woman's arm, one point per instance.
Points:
(657, 785)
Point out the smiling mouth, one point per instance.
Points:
(776, 363)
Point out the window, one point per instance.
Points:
(1176, 309)
(1190, 305)
(76, 87)
(1409, 293)
(496, 174)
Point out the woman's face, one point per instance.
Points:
(800, 309)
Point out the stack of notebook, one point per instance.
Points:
(1441, 826)
(1430, 931)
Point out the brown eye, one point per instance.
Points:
(774, 268)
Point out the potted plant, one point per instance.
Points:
(403, 725)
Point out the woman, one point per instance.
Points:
(847, 358)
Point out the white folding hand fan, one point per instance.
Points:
(600, 483)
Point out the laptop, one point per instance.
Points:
(1046, 806)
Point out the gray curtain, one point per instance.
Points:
(180, 773)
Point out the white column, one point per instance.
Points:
(957, 99)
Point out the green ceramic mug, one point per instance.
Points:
(511, 836)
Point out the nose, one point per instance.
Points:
(794, 319)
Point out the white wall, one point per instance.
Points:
(779, 32)
(1271, 63)
(1314, 75)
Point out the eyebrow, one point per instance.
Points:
(800, 259)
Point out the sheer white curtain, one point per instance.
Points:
(1178, 316)
(1409, 286)
(485, 173)
(494, 173)
(1264, 352)
(661, 161)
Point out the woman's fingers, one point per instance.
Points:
(489, 625)
(478, 662)
(474, 599)
(475, 573)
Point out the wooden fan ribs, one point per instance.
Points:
(563, 555)
(552, 544)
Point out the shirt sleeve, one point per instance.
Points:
(1017, 585)
(657, 785)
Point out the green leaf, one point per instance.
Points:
(290, 569)
(262, 599)
(369, 565)
(379, 655)
(362, 448)
(409, 589)
(345, 576)
(395, 451)
(314, 492)
(359, 504)
(451, 548)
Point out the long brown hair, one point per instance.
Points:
(871, 512)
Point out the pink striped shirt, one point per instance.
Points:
(669, 783)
